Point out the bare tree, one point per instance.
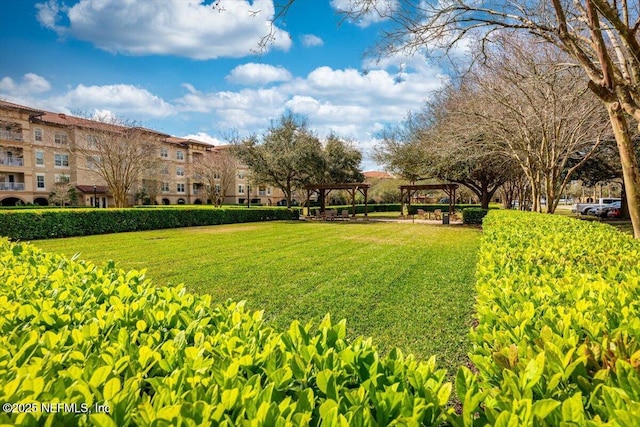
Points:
(120, 153)
(539, 112)
(217, 169)
(522, 105)
(63, 193)
(601, 36)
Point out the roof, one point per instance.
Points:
(339, 186)
(11, 105)
(185, 141)
(63, 119)
(377, 175)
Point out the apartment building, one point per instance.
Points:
(41, 149)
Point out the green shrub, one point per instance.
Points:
(79, 334)
(44, 224)
(558, 335)
(473, 215)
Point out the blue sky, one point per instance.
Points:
(189, 70)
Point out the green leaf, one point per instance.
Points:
(102, 420)
(111, 388)
(542, 408)
(573, 409)
(100, 375)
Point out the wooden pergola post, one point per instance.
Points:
(351, 188)
(449, 189)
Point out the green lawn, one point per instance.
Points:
(406, 285)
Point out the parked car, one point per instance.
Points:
(583, 208)
(602, 211)
(614, 213)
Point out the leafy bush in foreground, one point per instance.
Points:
(75, 333)
(558, 338)
(45, 224)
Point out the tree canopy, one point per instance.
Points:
(289, 156)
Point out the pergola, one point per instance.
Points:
(410, 190)
(323, 191)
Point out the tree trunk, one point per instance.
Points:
(629, 162)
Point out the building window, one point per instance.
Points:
(180, 155)
(61, 177)
(164, 153)
(216, 175)
(262, 190)
(93, 162)
(39, 158)
(179, 171)
(62, 160)
(180, 188)
(165, 170)
(40, 182)
(92, 141)
(241, 175)
(37, 134)
(60, 138)
(218, 188)
(240, 189)
(165, 187)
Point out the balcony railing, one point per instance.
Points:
(10, 135)
(11, 161)
(11, 186)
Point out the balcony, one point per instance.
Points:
(11, 161)
(10, 135)
(11, 186)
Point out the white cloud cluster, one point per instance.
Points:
(374, 11)
(126, 100)
(258, 74)
(31, 84)
(311, 40)
(349, 102)
(188, 28)
(204, 137)
(346, 101)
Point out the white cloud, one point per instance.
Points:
(188, 28)
(258, 74)
(349, 102)
(204, 137)
(310, 40)
(126, 100)
(30, 84)
(375, 11)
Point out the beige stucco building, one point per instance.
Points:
(39, 149)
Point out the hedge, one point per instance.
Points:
(557, 342)
(473, 215)
(83, 335)
(558, 335)
(44, 224)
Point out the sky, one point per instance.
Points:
(188, 69)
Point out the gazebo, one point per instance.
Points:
(351, 188)
(407, 192)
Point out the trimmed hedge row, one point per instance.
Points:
(473, 215)
(83, 335)
(558, 335)
(45, 224)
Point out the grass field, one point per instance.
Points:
(406, 285)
